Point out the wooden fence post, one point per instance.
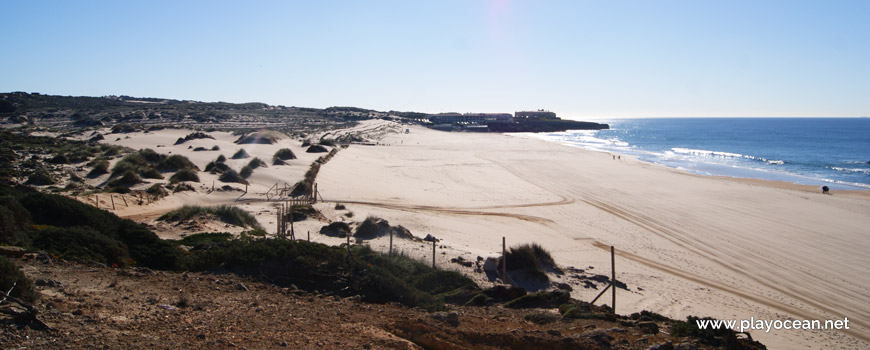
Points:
(613, 278)
(503, 261)
(97, 200)
(112, 197)
(433, 252)
(125, 201)
(391, 243)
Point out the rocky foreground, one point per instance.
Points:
(93, 306)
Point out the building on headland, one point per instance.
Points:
(470, 118)
(539, 114)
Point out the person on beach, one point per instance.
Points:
(825, 189)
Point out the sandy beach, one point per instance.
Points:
(686, 244)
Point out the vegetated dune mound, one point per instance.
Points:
(267, 137)
(193, 136)
(374, 227)
(336, 229)
(316, 149)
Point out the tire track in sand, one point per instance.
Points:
(458, 211)
(651, 226)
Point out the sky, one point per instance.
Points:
(580, 59)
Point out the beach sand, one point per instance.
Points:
(695, 245)
(686, 244)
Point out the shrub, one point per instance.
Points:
(216, 167)
(530, 260)
(184, 175)
(100, 167)
(41, 178)
(231, 176)
(151, 173)
(256, 163)
(14, 221)
(336, 229)
(262, 137)
(143, 246)
(129, 178)
(215, 148)
(183, 187)
(370, 227)
(193, 136)
(246, 171)
(316, 149)
(176, 162)
(278, 161)
(11, 275)
(80, 242)
(240, 154)
(221, 159)
(205, 238)
(59, 159)
(157, 190)
(226, 213)
(285, 154)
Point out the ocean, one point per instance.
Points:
(812, 151)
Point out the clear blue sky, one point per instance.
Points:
(581, 59)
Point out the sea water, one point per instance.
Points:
(833, 152)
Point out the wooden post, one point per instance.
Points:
(503, 261)
(113, 201)
(309, 236)
(292, 230)
(212, 185)
(97, 200)
(613, 278)
(391, 243)
(125, 201)
(433, 252)
(348, 243)
(315, 193)
(278, 222)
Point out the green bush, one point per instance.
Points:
(100, 167)
(240, 154)
(143, 246)
(285, 154)
(256, 163)
(11, 275)
(129, 178)
(231, 176)
(80, 242)
(14, 221)
(205, 238)
(184, 175)
(530, 260)
(157, 190)
(316, 149)
(221, 159)
(41, 178)
(246, 172)
(151, 173)
(226, 213)
(176, 162)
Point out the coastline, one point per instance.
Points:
(696, 245)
